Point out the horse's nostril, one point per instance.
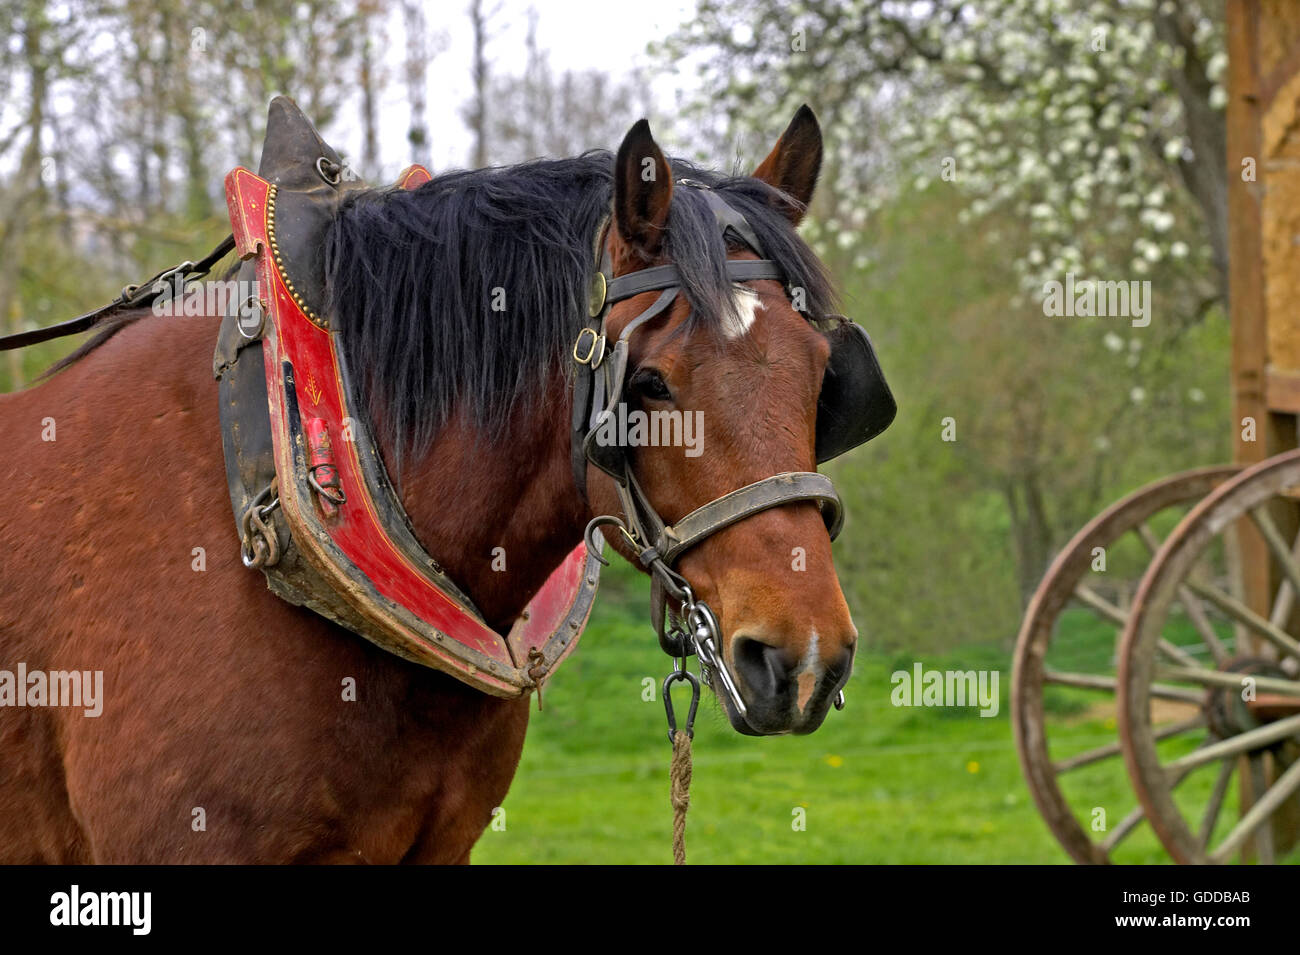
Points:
(762, 667)
(839, 670)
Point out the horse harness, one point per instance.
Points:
(854, 406)
(316, 511)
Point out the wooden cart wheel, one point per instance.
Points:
(1249, 698)
(1040, 662)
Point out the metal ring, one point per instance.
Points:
(332, 493)
(589, 535)
(261, 318)
(320, 169)
(676, 643)
(678, 676)
(254, 560)
(700, 616)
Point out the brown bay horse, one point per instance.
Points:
(227, 733)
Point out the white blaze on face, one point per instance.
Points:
(810, 671)
(746, 310)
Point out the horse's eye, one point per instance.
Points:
(650, 384)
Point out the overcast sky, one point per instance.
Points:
(606, 35)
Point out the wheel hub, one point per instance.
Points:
(1228, 714)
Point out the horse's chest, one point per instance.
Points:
(425, 789)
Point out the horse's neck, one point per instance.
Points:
(499, 517)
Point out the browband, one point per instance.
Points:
(667, 276)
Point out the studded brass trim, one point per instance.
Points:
(279, 265)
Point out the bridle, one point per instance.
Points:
(691, 628)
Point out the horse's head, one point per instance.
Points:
(746, 382)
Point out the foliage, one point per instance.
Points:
(1054, 414)
(1095, 126)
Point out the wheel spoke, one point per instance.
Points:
(1230, 681)
(1097, 602)
(1244, 615)
(1175, 652)
(1148, 537)
(1211, 815)
(1112, 749)
(1086, 595)
(1092, 681)
(1263, 834)
(1284, 600)
(1236, 745)
(1287, 784)
(1130, 822)
(1190, 604)
(1282, 604)
(1202, 623)
(1283, 554)
(1120, 832)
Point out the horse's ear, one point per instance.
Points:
(643, 189)
(794, 162)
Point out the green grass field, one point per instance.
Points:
(877, 783)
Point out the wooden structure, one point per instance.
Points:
(1263, 135)
(1263, 139)
(1206, 667)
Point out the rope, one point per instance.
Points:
(680, 792)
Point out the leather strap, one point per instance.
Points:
(133, 296)
(582, 387)
(663, 276)
(658, 546)
(729, 220)
(731, 508)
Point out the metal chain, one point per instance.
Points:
(537, 672)
(259, 543)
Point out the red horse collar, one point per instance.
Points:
(316, 510)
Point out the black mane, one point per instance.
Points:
(413, 277)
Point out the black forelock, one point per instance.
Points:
(465, 295)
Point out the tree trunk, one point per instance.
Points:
(417, 79)
(478, 109)
(369, 118)
(1031, 532)
(1205, 176)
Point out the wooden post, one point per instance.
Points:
(1263, 40)
(1246, 275)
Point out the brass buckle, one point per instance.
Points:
(597, 345)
